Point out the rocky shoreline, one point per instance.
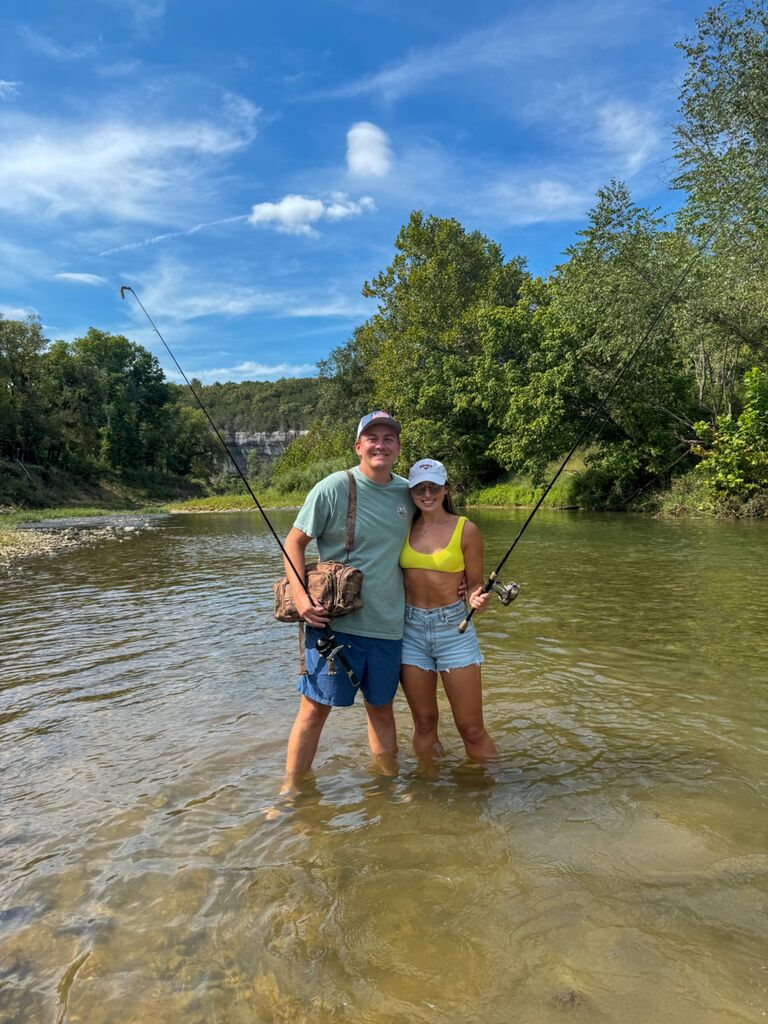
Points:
(51, 536)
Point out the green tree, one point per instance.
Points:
(23, 428)
(734, 452)
(722, 137)
(126, 393)
(418, 349)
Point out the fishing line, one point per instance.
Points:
(492, 581)
(509, 592)
(658, 476)
(326, 644)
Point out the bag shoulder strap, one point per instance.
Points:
(349, 534)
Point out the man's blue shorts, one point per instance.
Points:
(375, 662)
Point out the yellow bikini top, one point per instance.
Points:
(447, 559)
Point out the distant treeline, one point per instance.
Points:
(101, 402)
(258, 405)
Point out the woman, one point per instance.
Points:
(441, 547)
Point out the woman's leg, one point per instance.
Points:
(420, 688)
(464, 691)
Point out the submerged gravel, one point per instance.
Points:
(51, 536)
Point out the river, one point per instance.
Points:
(611, 867)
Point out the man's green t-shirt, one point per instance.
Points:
(381, 526)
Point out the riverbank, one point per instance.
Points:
(61, 529)
(39, 534)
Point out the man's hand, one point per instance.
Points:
(461, 592)
(312, 613)
(479, 601)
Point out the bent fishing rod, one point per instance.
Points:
(507, 593)
(327, 645)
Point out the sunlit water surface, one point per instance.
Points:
(613, 866)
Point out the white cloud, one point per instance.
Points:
(48, 47)
(17, 312)
(541, 35)
(8, 90)
(146, 12)
(92, 279)
(177, 293)
(368, 152)
(119, 68)
(128, 170)
(295, 215)
(630, 131)
(250, 371)
(515, 198)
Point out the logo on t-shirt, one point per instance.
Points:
(402, 511)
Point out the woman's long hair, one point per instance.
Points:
(448, 504)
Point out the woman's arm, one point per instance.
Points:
(472, 548)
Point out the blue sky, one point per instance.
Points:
(246, 166)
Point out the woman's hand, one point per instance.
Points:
(479, 601)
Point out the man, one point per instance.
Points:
(372, 636)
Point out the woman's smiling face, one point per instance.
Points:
(428, 496)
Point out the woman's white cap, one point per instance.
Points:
(427, 470)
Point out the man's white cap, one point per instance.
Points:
(427, 470)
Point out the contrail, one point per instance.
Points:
(171, 234)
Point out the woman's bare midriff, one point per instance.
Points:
(429, 588)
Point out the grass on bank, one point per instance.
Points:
(690, 495)
(269, 498)
(520, 491)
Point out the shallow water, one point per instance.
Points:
(613, 866)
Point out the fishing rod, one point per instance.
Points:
(327, 644)
(507, 593)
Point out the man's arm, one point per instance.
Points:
(295, 545)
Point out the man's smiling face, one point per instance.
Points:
(378, 449)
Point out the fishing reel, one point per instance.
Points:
(506, 592)
(328, 647)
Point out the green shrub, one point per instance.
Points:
(734, 452)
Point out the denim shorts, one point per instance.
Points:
(375, 662)
(432, 640)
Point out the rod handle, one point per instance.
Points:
(463, 625)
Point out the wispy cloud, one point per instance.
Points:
(541, 34)
(295, 215)
(126, 170)
(118, 68)
(91, 279)
(48, 47)
(154, 239)
(8, 90)
(17, 312)
(250, 370)
(146, 13)
(630, 131)
(368, 152)
(180, 294)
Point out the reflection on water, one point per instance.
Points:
(613, 865)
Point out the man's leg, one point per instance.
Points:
(305, 735)
(379, 686)
(382, 734)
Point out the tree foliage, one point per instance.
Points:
(734, 453)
